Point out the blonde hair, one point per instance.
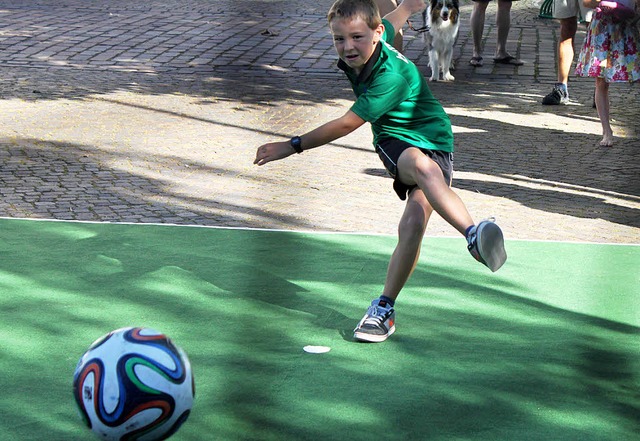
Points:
(349, 9)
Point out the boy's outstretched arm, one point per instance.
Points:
(324, 134)
(399, 16)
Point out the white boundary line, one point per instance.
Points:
(282, 230)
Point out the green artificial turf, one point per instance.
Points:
(546, 348)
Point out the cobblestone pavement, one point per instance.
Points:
(125, 111)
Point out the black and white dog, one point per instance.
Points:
(441, 18)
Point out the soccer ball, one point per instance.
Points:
(134, 383)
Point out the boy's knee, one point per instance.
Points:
(412, 228)
(428, 169)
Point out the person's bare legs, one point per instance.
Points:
(564, 52)
(503, 22)
(568, 29)
(416, 168)
(602, 105)
(411, 228)
(477, 27)
(434, 193)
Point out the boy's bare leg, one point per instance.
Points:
(414, 167)
(411, 228)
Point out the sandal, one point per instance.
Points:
(509, 59)
(476, 61)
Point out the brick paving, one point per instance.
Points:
(123, 111)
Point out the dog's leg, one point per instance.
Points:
(446, 65)
(434, 65)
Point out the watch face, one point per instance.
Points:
(296, 143)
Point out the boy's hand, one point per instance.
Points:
(272, 152)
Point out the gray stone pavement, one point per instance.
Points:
(124, 111)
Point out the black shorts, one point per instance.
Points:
(390, 149)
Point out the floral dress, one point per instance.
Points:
(610, 50)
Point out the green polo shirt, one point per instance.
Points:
(394, 97)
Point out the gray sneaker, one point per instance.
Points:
(559, 95)
(377, 324)
(486, 244)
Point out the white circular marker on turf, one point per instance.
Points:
(316, 349)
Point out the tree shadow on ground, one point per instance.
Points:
(73, 182)
(496, 148)
(244, 68)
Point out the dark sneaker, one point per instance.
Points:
(377, 324)
(558, 95)
(486, 244)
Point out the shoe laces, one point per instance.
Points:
(375, 315)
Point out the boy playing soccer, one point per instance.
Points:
(412, 136)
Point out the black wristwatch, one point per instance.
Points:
(296, 143)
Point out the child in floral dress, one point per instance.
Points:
(610, 54)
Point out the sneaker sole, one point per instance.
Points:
(372, 338)
(491, 245)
